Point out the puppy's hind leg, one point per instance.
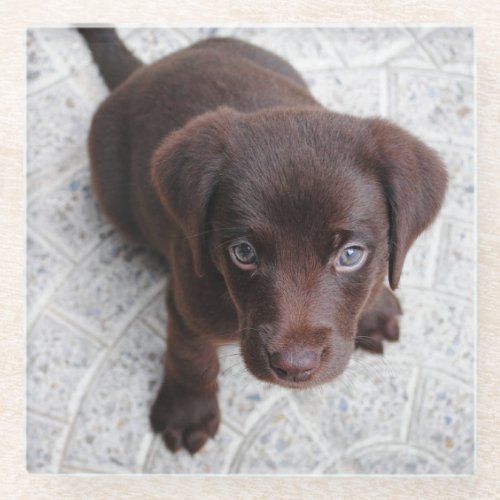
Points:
(109, 152)
(379, 322)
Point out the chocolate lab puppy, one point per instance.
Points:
(278, 219)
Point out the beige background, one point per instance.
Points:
(16, 16)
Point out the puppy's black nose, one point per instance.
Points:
(294, 365)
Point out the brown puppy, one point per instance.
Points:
(278, 219)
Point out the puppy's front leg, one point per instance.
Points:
(186, 411)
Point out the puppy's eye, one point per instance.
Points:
(244, 255)
(351, 257)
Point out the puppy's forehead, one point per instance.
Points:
(303, 188)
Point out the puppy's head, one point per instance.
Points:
(303, 212)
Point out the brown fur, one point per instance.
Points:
(221, 142)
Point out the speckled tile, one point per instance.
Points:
(112, 424)
(45, 443)
(452, 49)
(412, 57)
(278, 444)
(368, 401)
(68, 214)
(58, 122)
(59, 360)
(422, 31)
(155, 314)
(443, 421)
(436, 331)
(352, 91)
(41, 70)
(455, 267)
(149, 45)
(117, 280)
(213, 458)
(459, 201)
(421, 260)
(307, 47)
(46, 267)
(369, 46)
(389, 458)
(67, 47)
(243, 397)
(433, 105)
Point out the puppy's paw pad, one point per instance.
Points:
(172, 440)
(184, 419)
(194, 440)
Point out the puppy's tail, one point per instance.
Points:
(115, 62)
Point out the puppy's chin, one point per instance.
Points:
(333, 363)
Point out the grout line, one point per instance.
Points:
(384, 92)
(33, 410)
(249, 436)
(149, 454)
(35, 312)
(309, 430)
(154, 329)
(409, 408)
(144, 450)
(99, 366)
(415, 408)
(67, 318)
(54, 245)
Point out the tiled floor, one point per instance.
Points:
(96, 322)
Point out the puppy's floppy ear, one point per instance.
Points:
(414, 180)
(186, 167)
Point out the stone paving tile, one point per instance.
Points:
(421, 260)
(58, 360)
(421, 31)
(41, 70)
(369, 46)
(307, 47)
(68, 51)
(45, 268)
(152, 44)
(452, 49)
(109, 432)
(104, 291)
(278, 444)
(368, 401)
(243, 397)
(455, 266)
(58, 122)
(433, 105)
(155, 314)
(436, 331)
(388, 458)
(45, 438)
(459, 201)
(356, 92)
(68, 214)
(443, 421)
(412, 57)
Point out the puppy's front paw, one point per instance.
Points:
(379, 323)
(184, 419)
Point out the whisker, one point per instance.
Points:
(230, 367)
